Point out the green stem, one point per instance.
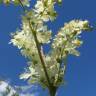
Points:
(52, 91)
(40, 54)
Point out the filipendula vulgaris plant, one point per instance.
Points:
(48, 69)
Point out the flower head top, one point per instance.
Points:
(45, 9)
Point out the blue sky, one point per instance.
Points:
(81, 71)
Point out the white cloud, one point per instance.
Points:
(3, 86)
(6, 89)
(29, 90)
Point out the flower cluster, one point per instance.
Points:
(45, 9)
(24, 40)
(64, 43)
(68, 38)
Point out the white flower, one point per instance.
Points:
(39, 6)
(45, 10)
(68, 36)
